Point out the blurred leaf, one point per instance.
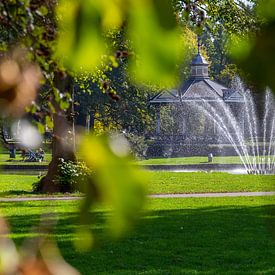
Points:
(64, 104)
(43, 10)
(32, 109)
(49, 122)
(266, 9)
(240, 47)
(56, 94)
(120, 184)
(156, 41)
(82, 24)
(254, 55)
(51, 107)
(41, 127)
(84, 239)
(165, 14)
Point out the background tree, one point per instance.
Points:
(216, 22)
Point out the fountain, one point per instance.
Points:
(252, 137)
(207, 113)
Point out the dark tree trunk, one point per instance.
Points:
(92, 120)
(62, 140)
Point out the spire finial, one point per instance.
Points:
(199, 44)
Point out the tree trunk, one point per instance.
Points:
(62, 140)
(92, 120)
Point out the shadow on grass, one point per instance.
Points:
(16, 193)
(212, 240)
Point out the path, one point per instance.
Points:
(197, 195)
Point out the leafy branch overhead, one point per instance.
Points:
(151, 27)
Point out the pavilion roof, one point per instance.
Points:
(198, 87)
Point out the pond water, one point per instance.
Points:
(34, 172)
(231, 171)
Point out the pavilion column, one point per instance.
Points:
(158, 126)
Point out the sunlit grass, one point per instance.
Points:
(200, 182)
(12, 185)
(176, 236)
(161, 183)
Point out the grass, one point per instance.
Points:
(176, 236)
(5, 159)
(191, 160)
(14, 185)
(162, 182)
(171, 182)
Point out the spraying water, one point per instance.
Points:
(251, 137)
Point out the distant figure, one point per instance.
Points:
(31, 156)
(40, 154)
(210, 157)
(12, 152)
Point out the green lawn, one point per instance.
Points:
(190, 160)
(163, 182)
(176, 236)
(200, 182)
(16, 185)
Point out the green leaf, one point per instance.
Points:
(43, 10)
(51, 107)
(165, 14)
(119, 183)
(49, 122)
(41, 127)
(240, 47)
(266, 9)
(56, 94)
(82, 25)
(64, 104)
(158, 45)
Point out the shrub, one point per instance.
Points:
(72, 176)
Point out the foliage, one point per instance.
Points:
(72, 176)
(156, 61)
(216, 22)
(233, 16)
(254, 51)
(113, 102)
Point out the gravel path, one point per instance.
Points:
(197, 195)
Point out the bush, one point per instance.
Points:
(71, 177)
